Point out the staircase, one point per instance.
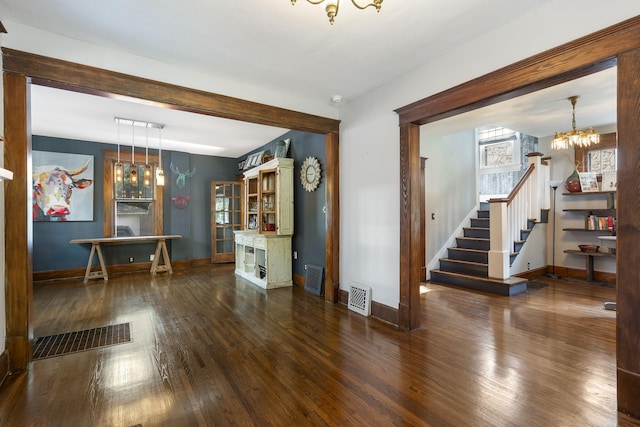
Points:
(467, 264)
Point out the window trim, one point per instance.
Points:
(607, 140)
(110, 158)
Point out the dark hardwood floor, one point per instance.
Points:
(210, 349)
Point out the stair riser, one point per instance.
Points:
(463, 268)
(480, 222)
(483, 214)
(472, 244)
(483, 257)
(470, 283)
(480, 233)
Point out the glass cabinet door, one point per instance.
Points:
(226, 217)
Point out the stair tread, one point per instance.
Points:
(473, 238)
(461, 261)
(475, 228)
(507, 282)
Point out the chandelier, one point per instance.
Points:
(333, 6)
(574, 138)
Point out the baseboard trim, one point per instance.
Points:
(628, 397)
(4, 366)
(42, 276)
(298, 280)
(379, 311)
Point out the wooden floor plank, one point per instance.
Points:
(211, 349)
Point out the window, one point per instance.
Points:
(599, 158)
(499, 149)
(131, 209)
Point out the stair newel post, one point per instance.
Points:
(537, 196)
(499, 251)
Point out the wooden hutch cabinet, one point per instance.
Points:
(263, 248)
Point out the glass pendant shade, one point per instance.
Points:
(118, 173)
(159, 176)
(133, 175)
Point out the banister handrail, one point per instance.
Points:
(517, 188)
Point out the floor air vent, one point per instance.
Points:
(313, 280)
(360, 299)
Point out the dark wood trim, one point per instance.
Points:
(82, 78)
(4, 366)
(607, 140)
(618, 44)
(410, 229)
(332, 224)
(199, 262)
(110, 158)
(2, 28)
(20, 67)
(535, 273)
(384, 312)
(298, 280)
(628, 231)
(18, 230)
(628, 386)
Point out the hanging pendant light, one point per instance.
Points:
(147, 166)
(575, 137)
(159, 171)
(117, 168)
(332, 6)
(133, 173)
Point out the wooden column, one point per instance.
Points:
(332, 218)
(628, 274)
(410, 227)
(18, 222)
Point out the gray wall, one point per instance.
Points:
(51, 248)
(52, 251)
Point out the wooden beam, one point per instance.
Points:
(85, 79)
(18, 230)
(332, 225)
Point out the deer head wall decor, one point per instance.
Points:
(182, 176)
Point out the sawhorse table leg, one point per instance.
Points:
(102, 274)
(161, 248)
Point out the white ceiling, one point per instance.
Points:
(288, 48)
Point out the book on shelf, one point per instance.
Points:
(595, 222)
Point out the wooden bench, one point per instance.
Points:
(161, 249)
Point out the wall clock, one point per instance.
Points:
(310, 173)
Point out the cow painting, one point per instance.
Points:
(53, 190)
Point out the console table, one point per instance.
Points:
(161, 249)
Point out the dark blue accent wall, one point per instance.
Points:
(52, 251)
(309, 218)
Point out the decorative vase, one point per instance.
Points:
(572, 183)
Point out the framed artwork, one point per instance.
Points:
(62, 186)
(588, 181)
(609, 181)
(253, 160)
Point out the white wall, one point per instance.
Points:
(562, 165)
(450, 185)
(370, 121)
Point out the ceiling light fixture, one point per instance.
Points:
(133, 172)
(147, 167)
(159, 171)
(117, 168)
(333, 6)
(574, 138)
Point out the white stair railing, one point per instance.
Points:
(509, 216)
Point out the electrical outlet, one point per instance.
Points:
(151, 257)
(295, 254)
(130, 259)
(528, 266)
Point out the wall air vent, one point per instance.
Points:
(313, 281)
(360, 299)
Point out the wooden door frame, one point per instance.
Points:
(617, 45)
(23, 68)
(213, 211)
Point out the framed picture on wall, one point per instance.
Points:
(588, 181)
(62, 186)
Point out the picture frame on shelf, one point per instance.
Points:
(610, 181)
(589, 182)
